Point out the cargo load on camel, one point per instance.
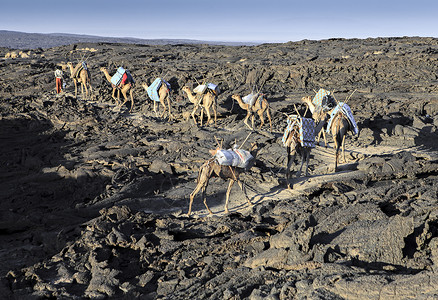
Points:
(305, 128)
(324, 99)
(238, 158)
(203, 88)
(79, 67)
(152, 90)
(121, 77)
(252, 98)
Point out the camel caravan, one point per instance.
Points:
(301, 134)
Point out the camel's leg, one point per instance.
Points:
(204, 196)
(124, 97)
(325, 139)
(303, 158)
(82, 91)
(215, 110)
(252, 121)
(202, 115)
(76, 89)
(336, 153)
(114, 96)
(268, 113)
(343, 148)
(202, 183)
(155, 108)
(290, 159)
(242, 187)
(307, 154)
(193, 114)
(193, 194)
(207, 110)
(246, 120)
(163, 106)
(228, 194)
(262, 118)
(132, 98)
(168, 105)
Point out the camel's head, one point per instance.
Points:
(144, 85)
(69, 64)
(235, 97)
(102, 69)
(185, 89)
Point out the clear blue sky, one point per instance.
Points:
(225, 20)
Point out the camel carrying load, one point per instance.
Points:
(302, 128)
(159, 91)
(204, 96)
(80, 74)
(228, 165)
(121, 81)
(299, 137)
(153, 89)
(346, 111)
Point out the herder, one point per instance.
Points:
(58, 77)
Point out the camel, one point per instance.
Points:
(82, 77)
(163, 93)
(124, 89)
(206, 101)
(260, 106)
(212, 169)
(339, 128)
(294, 147)
(318, 114)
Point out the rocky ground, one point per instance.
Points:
(94, 198)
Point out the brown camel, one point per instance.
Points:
(212, 169)
(339, 128)
(83, 77)
(163, 94)
(128, 86)
(260, 107)
(295, 146)
(205, 101)
(318, 114)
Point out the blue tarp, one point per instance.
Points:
(117, 78)
(154, 87)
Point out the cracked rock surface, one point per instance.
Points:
(94, 197)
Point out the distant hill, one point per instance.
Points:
(23, 40)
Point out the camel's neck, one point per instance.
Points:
(310, 105)
(190, 95)
(70, 66)
(107, 75)
(240, 102)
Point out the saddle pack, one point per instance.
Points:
(203, 88)
(305, 127)
(152, 90)
(238, 158)
(116, 79)
(324, 99)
